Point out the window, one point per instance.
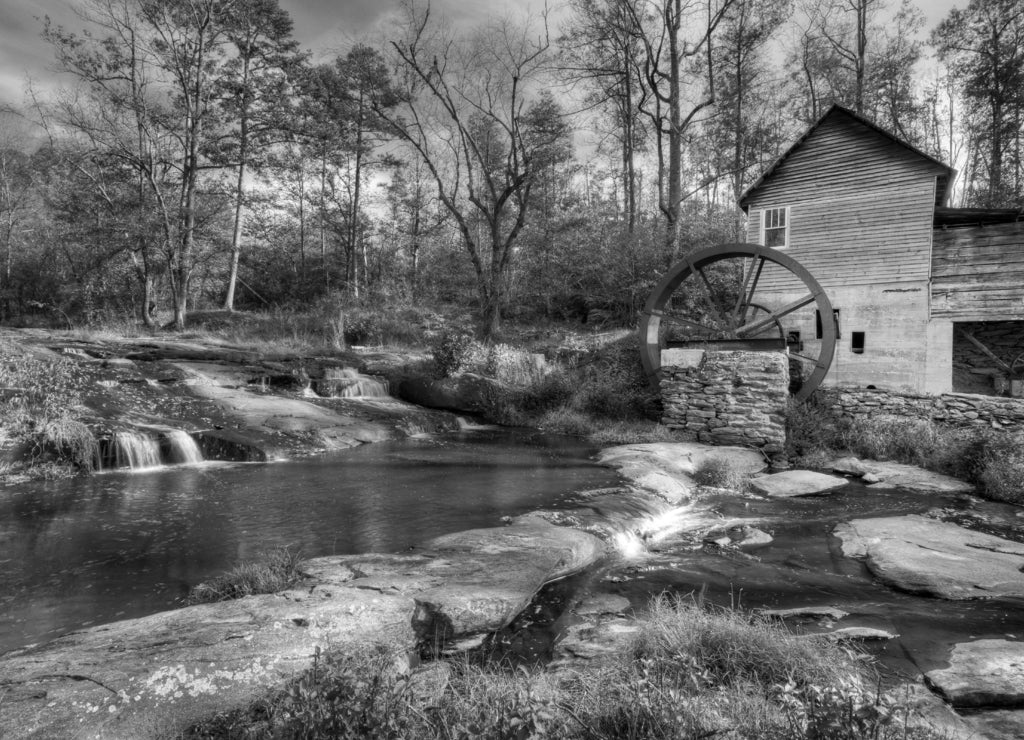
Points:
(857, 342)
(775, 227)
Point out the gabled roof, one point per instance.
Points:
(944, 179)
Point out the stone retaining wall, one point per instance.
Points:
(960, 409)
(727, 397)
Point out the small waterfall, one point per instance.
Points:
(348, 383)
(180, 448)
(146, 451)
(132, 450)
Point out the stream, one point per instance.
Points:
(118, 545)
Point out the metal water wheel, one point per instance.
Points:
(710, 300)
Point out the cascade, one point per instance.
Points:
(180, 448)
(145, 451)
(133, 450)
(349, 383)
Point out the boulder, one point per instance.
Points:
(860, 633)
(468, 393)
(847, 466)
(921, 555)
(796, 483)
(912, 478)
(983, 673)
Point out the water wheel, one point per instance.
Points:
(710, 300)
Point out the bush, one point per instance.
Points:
(718, 472)
(276, 571)
(452, 350)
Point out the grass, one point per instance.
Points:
(277, 570)
(693, 672)
(718, 472)
(991, 459)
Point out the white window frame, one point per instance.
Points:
(765, 213)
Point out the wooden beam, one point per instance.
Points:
(985, 350)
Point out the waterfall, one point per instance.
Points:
(348, 383)
(181, 448)
(145, 451)
(133, 450)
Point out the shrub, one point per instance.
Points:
(718, 472)
(70, 441)
(276, 571)
(452, 350)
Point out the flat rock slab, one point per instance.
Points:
(883, 474)
(159, 674)
(666, 468)
(806, 612)
(983, 673)
(999, 724)
(922, 555)
(796, 483)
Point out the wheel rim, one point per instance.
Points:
(728, 276)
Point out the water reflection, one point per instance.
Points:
(119, 545)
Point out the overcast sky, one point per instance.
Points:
(320, 25)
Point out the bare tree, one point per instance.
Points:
(464, 114)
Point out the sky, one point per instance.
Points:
(320, 26)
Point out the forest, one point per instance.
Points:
(548, 166)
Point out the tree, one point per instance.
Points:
(254, 95)
(601, 50)
(463, 114)
(983, 45)
(675, 62)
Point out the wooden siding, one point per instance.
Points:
(883, 236)
(861, 207)
(978, 273)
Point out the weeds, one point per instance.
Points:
(718, 472)
(991, 459)
(276, 571)
(693, 672)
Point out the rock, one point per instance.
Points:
(869, 478)
(922, 555)
(930, 713)
(742, 535)
(806, 612)
(796, 483)
(860, 633)
(468, 393)
(473, 598)
(159, 674)
(913, 478)
(1000, 724)
(598, 604)
(983, 673)
(847, 466)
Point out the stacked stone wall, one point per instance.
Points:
(727, 397)
(959, 409)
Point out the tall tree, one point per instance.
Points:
(253, 87)
(463, 113)
(983, 46)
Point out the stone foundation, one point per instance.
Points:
(727, 397)
(958, 409)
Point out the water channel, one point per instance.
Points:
(122, 544)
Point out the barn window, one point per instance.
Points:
(775, 227)
(857, 342)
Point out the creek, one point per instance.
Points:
(803, 567)
(118, 545)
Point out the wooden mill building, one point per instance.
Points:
(928, 298)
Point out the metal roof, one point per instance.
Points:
(943, 182)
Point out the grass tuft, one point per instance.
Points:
(278, 570)
(718, 472)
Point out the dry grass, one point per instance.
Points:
(276, 571)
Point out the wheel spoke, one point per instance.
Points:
(715, 308)
(681, 321)
(804, 358)
(746, 296)
(775, 315)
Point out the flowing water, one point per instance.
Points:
(123, 544)
(804, 567)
